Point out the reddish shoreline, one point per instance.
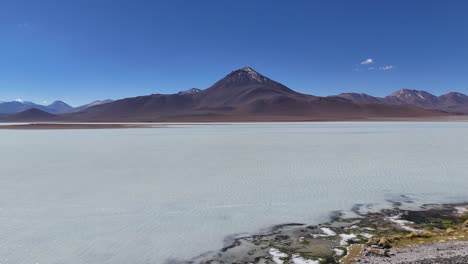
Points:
(99, 125)
(39, 126)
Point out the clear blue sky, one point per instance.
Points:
(82, 50)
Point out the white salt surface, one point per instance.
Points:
(345, 238)
(338, 251)
(277, 256)
(402, 223)
(296, 259)
(327, 231)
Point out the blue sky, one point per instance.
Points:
(79, 51)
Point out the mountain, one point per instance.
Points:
(361, 97)
(98, 102)
(243, 95)
(190, 91)
(413, 97)
(30, 115)
(58, 107)
(242, 88)
(16, 106)
(453, 99)
(247, 95)
(451, 102)
(454, 102)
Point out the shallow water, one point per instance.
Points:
(146, 195)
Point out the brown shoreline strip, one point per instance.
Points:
(43, 126)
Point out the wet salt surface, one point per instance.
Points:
(147, 195)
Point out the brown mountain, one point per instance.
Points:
(451, 102)
(454, 102)
(361, 98)
(453, 99)
(413, 97)
(243, 95)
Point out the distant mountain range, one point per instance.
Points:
(57, 107)
(246, 95)
(450, 102)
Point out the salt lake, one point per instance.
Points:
(147, 195)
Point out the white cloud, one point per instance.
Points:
(386, 67)
(370, 65)
(19, 100)
(367, 62)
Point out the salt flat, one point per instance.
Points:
(147, 195)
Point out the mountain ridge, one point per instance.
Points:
(247, 95)
(453, 102)
(243, 95)
(56, 107)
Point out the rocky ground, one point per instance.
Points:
(453, 252)
(431, 234)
